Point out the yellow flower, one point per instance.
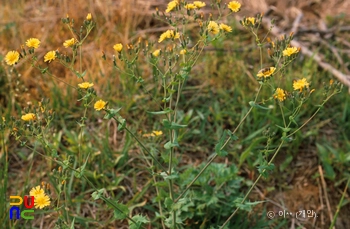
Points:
(190, 6)
(225, 28)
(213, 27)
(89, 17)
(12, 57)
(280, 94)
(153, 134)
(290, 51)
(300, 84)
(41, 201)
(118, 47)
(33, 43)
(157, 132)
(167, 35)
(36, 191)
(156, 53)
(266, 72)
(85, 85)
(3, 119)
(69, 43)
(183, 52)
(250, 20)
(28, 117)
(50, 56)
(172, 5)
(99, 105)
(234, 6)
(199, 4)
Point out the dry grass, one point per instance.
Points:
(125, 21)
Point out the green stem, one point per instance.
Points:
(339, 205)
(143, 146)
(223, 146)
(251, 188)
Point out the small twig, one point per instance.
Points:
(296, 22)
(321, 201)
(325, 194)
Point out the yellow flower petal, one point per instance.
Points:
(118, 47)
(199, 4)
(234, 6)
(33, 43)
(89, 17)
(50, 56)
(99, 105)
(36, 191)
(69, 43)
(213, 27)
(85, 85)
(225, 28)
(156, 53)
(280, 94)
(12, 57)
(300, 84)
(290, 51)
(266, 72)
(41, 201)
(28, 117)
(172, 5)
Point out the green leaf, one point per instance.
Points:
(97, 194)
(43, 71)
(219, 146)
(170, 145)
(80, 171)
(247, 206)
(121, 211)
(326, 161)
(139, 219)
(264, 168)
(284, 129)
(168, 203)
(166, 111)
(80, 75)
(72, 224)
(122, 123)
(232, 136)
(172, 125)
(253, 104)
(171, 177)
(112, 113)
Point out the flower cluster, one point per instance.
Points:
(41, 200)
(298, 85)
